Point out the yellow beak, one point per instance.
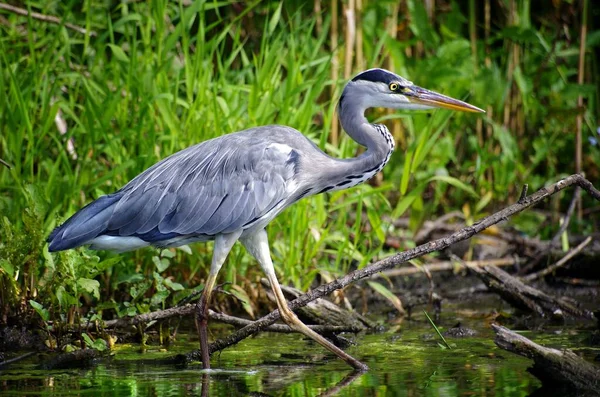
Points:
(430, 98)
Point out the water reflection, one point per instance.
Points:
(405, 364)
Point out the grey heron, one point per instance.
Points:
(229, 188)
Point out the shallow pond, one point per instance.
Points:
(406, 361)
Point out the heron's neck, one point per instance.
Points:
(375, 137)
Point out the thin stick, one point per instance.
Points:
(542, 253)
(566, 219)
(560, 263)
(333, 36)
(5, 164)
(402, 257)
(350, 14)
(16, 359)
(580, 77)
(45, 18)
(319, 18)
(360, 61)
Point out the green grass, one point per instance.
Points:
(161, 76)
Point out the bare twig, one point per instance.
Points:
(542, 253)
(15, 359)
(566, 219)
(560, 263)
(523, 192)
(578, 282)
(429, 227)
(350, 14)
(580, 109)
(4, 163)
(45, 18)
(403, 257)
(333, 38)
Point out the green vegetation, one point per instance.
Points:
(81, 115)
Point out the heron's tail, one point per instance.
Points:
(86, 224)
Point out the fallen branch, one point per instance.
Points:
(188, 309)
(564, 369)
(560, 263)
(45, 18)
(402, 257)
(527, 298)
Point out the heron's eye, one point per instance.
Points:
(394, 86)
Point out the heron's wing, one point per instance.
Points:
(215, 187)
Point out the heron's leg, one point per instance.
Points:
(258, 245)
(223, 244)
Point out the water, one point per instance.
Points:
(405, 362)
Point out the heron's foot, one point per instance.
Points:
(290, 318)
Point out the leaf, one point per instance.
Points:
(90, 286)
(7, 267)
(454, 182)
(161, 264)
(167, 253)
(37, 200)
(407, 200)
(44, 313)
(387, 294)
(117, 26)
(564, 239)
(130, 278)
(159, 297)
(275, 18)
(64, 298)
(98, 344)
(185, 248)
(375, 221)
(48, 260)
(593, 39)
(119, 53)
(437, 331)
(107, 263)
(406, 174)
(243, 297)
(139, 289)
(483, 202)
(173, 285)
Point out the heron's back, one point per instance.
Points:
(218, 186)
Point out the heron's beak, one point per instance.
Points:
(430, 98)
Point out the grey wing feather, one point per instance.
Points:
(215, 187)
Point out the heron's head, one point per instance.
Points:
(381, 88)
